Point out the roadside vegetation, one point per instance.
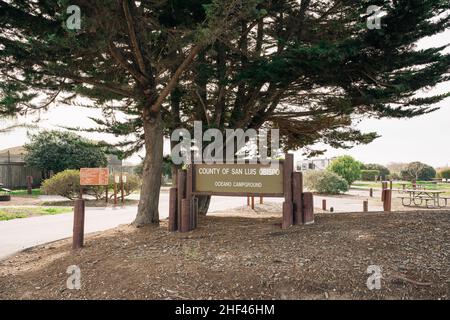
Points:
(10, 213)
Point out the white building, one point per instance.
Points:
(313, 164)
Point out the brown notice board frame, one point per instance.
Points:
(191, 183)
(298, 207)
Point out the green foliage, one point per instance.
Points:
(58, 151)
(418, 171)
(347, 167)
(65, 184)
(325, 182)
(369, 175)
(25, 212)
(382, 170)
(444, 173)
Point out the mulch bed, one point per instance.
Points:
(246, 255)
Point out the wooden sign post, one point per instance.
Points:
(241, 179)
(88, 177)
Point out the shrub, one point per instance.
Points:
(382, 170)
(418, 171)
(444, 173)
(325, 182)
(369, 175)
(65, 183)
(347, 167)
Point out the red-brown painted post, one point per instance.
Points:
(261, 200)
(308, 208)
(383, 187)
(297, 190)
(371, 192)
(365, 206)
(29, 185)
(189, 181)
(185, 216)
(324, 204)
(253, 202)
(248, 201)
(195, 205)
(78, 224)
(173, 220)
(115, 192)
(387, 204)
(121, 189)
(288, 217)
(181, 188)
(288, 205)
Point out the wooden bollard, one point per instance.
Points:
(288, 215)
(195, 212)
(185, 215)
(29, 185)
(308, 208)
(173, 220)
(253, 202)
(390, 184)
(181, 194)
(260, 200)
(331, 209)
(324, 204)
(383, 187)
(371, 192)
(297, 190)
(366, 206)
(78, 224)
(387, 204)
(248, 201)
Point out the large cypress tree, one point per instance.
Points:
(127, 56)
(310, 68)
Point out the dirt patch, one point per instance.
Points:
(246, 255)
(21, 201)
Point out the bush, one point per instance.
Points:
(382, 170)
(58, 151)
(369, 175)
(418, 171)
(65, 183)
(325, 182)
(444, 173)
(347, 167)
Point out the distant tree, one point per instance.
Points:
(57, 151)
(325, 182)
(418, 171)
(444, 173)
(383, 171)
(396, 168)
(347, 167)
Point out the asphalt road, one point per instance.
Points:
(19, 234)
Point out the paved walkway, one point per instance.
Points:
(18, 234)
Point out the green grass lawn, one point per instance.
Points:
(24, 192)
(398, 185)
(9, 213)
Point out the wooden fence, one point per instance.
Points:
(14, 175)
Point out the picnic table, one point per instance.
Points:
(424, 197)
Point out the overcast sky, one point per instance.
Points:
(425, 138)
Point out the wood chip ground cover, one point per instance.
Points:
(244, 254)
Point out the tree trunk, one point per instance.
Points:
(203, 204)
(152, 171)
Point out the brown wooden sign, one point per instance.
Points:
(94, 176)
(238, 179)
